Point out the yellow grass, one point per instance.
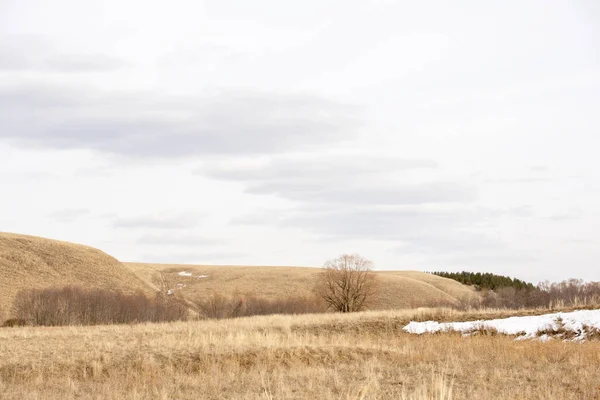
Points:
(399, 289)
(327, 356)
(33, 262)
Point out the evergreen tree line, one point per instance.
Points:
(486, 280)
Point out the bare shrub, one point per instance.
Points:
(12, 322)
(571, 293)
(71, 305)
(218, 306)
(347, 283)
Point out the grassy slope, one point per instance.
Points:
(33, 262)
(399, 289)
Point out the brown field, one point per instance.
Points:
(399, 289)
(325, 356)
(33, 262)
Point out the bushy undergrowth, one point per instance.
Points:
(71, 305)
(219, 306)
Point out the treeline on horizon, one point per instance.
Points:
(485, 280)
(499, 291)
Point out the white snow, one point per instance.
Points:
(202, 276)
(525, 327)
(184, 273)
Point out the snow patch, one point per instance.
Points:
(542, 327)
(202, 276)
(184, 273)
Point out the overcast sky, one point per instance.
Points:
(419, 134)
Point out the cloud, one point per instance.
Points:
(157, 222)
(69, 214)
(74, 63)
(566, 215)
(539, 168)
(151, 125)
(456, 242)
(177, 239)
(524, 180)
(192, 258)
(29, 53)
(344, 179)
(402, 194)
(374, 224)
(330, 167)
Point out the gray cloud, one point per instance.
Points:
(192, 258)
(177, 239)
(151, 125)
(29, 53)
(453, 243)
(73, 63)
(525, 180)
(69, 214)
(401, 194)
(157, 222)
(506, 260)
(345, 180)
(539, 168)
(374, 224)
(332, 167)
(566, 215)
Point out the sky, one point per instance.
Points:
(425, 135)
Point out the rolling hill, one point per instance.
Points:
(399, 289)
(34, 262)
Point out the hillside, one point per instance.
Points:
(34, 262)
(399, 289)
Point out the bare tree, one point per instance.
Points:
(347, 283)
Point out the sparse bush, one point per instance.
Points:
(12, 322)
(71, 305)
(218, 306)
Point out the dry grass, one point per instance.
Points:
(327, 356)
(32, 262)
(399, 289)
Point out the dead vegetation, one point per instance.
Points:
(219, 306)
(325, 356)
(71, 305)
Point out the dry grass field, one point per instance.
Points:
(399, 289)
(33, 262)
(323, 356)
(326, 356)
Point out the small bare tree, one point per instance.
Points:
(347, 283)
